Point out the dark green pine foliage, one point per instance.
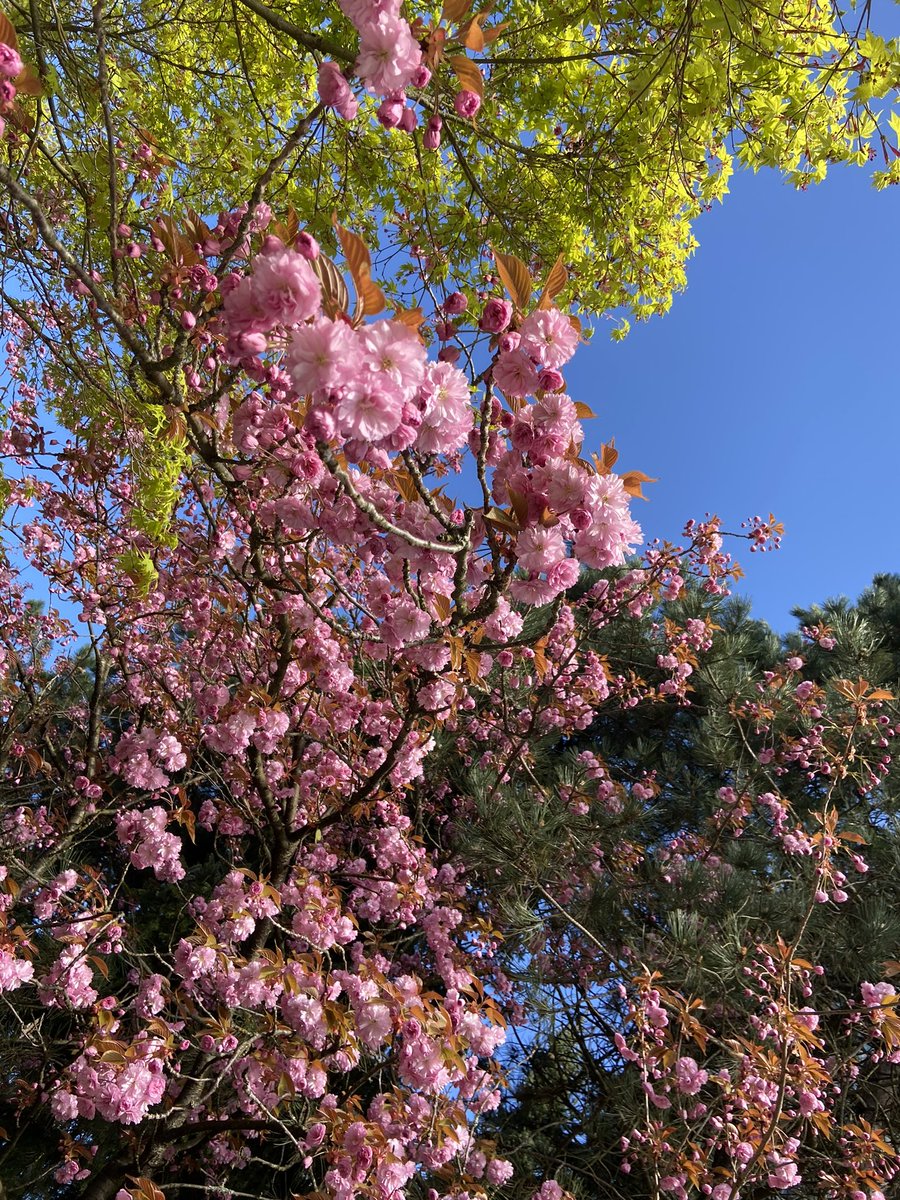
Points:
(571, 1102)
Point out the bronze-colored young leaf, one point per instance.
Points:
(471, 34)
(441, 606)
(515, 277)
(335, 296)
(496, 516)
(374, 299)
(519, 502)
(607, 458)
(412, 317)
(355, 250)
(493, 31)
(195, 228)
(467, 73)
(473, 665)
(28, 82)
(360, 263)
(632, 480)
(7, 31)
(179, 248)
(555, 283)
(146, 1189)
(434, 48)
(405, 485)
(455, 10)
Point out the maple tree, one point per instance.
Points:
(310, 565)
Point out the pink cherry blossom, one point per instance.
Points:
(393, 349)
(515, 375)
(496, 316)
(284, 289)
(549, 336)
(14, 971)
(11, 64)
(388, 55)
(324, 356)
(369, 409)
(334, 90)
(466, 104)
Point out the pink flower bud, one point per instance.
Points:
(262, 215)
(321, 424)
(315, 1134)
(188, 320)
(306, 245)
(10, 63)
(390, 113)
(550, 380)
(467, 103)
(421, 78)
(334, 90)
(245, 345)
(432, 139)
(496, 316)
(455, 304)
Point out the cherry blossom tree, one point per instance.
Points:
(244, 948)
(305, 565)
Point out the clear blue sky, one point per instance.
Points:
(772, 385)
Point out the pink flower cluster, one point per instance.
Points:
(389, 56)
(282, 290)
(70, 981)
(121, 1091)
(14, 971)
(877, 995)
(545, 341)
(373, 387)
(145, 758)
(389, 60)
(11, 66)
(590, 513)
(150, 843)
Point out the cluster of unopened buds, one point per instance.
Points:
(763, 534)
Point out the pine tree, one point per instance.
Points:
(573, 1098)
